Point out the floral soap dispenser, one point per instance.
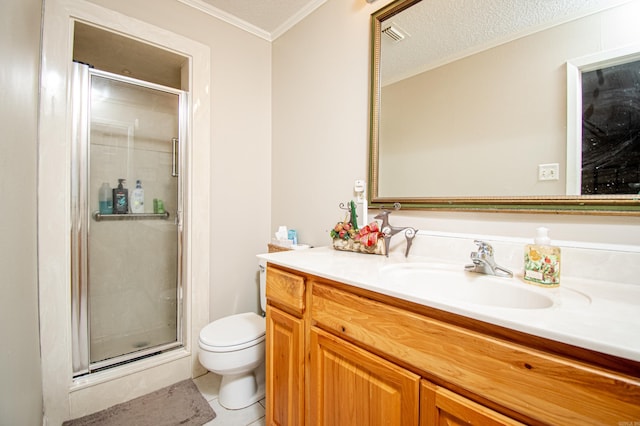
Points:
(542, 261)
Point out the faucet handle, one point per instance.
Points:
(484, 248)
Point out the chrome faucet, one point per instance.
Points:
(389, 231)
(483, 262)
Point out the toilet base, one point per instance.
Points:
(241, 390)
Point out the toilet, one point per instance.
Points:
(234, 348)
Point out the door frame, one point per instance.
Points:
(81, 88)
(64, 397)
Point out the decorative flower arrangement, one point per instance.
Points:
(347, 236)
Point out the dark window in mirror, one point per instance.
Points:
(611, 130)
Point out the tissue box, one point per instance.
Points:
(282, 243)
(354, 245)
(274, 248)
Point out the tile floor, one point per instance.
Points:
(253, 415)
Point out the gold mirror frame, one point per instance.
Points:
(576, 204)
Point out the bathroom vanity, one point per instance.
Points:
(348, 343)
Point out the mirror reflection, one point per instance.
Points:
(470, 101)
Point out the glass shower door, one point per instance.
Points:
(127, 281)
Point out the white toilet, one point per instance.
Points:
(234, 348)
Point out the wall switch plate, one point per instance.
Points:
(359, 188)
(549, 171)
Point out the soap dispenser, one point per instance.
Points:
(542, 261)
(120, 198)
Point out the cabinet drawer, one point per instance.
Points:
(541, 386)
(285, 290)
(440, 406)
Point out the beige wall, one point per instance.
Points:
(320, 131)
(320, 117)
(20, 374)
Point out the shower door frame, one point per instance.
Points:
(81, 219)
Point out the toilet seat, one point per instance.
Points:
(233, 333)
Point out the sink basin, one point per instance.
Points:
(450, 283)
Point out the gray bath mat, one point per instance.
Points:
(178, 404)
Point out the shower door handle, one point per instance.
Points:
(175, 152)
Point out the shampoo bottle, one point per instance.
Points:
(542, 261)
(105, 199)
(120, 198)
(137, 198)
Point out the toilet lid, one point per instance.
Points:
(233, 330)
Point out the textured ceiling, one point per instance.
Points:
(439, 31)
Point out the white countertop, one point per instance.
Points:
(597, 315)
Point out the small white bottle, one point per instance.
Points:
(137, 198)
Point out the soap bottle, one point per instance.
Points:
(105, 199)
(120, 198)
(137, 198)
(542, 261)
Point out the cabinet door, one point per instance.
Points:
(350, 386)
(440, 406)
(284, 369)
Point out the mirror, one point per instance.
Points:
(480, 106)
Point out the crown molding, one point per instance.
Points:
(227, 17)
(247, 26)
(299, 16)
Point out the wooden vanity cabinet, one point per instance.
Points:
(371, 359)
(353, 387)
(285, 356)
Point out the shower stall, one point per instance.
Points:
(126, 268)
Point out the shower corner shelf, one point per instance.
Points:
(98, 217)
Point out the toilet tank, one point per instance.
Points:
(262, 265)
